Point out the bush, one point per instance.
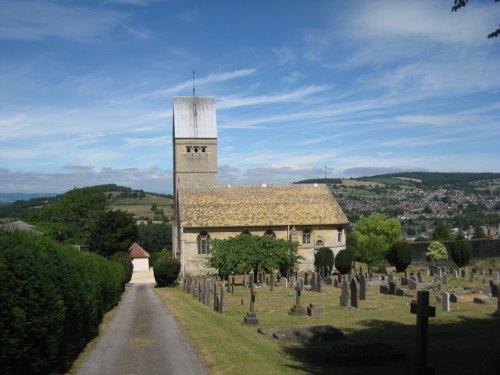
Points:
(461, 251)
(343, 261)
(436, 252)
(126, 261)
(399, 255)
(324, 258)
(166, 270)
(53, 299)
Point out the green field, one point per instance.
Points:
(463, 341)
(141, 207)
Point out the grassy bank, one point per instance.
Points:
(464, 341)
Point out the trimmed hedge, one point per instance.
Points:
(343, 261)
(166, 270)
(324, 258)
(461, 252)
(126, 261)
(53, 299)
(399, 255)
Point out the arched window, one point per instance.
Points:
(319, 243)
(306, 236)
(203, 243)
(247, 232)
(270, 233)
(339, 235)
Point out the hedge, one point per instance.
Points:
(53, 299)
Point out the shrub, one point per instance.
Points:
(126, 261)
(436, 252)
(324, 258)
(53, 298)
(166, 270)
(343, 261)
(399, 255)
(461, 251)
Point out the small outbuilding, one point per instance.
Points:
(140, 257)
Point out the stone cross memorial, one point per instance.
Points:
(423, 311)
(251, 317)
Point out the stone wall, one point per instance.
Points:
(480, 249)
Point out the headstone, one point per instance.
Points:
(384, 289)
(400, 292)
(285, 282)
(454, 298)
(392, 287)
(404, 281)
(344, 294)
(298, 309)
(420, 277)
(221, 299)
(423, 311)
(494, 289)
(306, 279)
(496, 277)
(251, 317)
(318, 283)
(446, 301)
(335, 282)
(354, 293)
(250, 280)
(445, 278)
(438, 287)
(455, 274)
(390, 278)
(314, 310)
(472, 276)
(362, 288)
(412, 285)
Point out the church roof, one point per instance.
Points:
(258, 205)
(194, 117)
(136, 251)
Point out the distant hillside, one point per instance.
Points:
(431, 179)
(328, 181)
(12, 197)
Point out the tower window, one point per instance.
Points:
(319, 243)
(203, 243)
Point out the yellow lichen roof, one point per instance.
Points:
(222, 206)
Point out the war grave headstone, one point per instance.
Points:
(298, 309)
(344, 293)
(446, 301)
(251, 317)
(423, 312)
(354, 287)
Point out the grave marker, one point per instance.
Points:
(344, 294)
(446, 302)
(251, 317)
(423, 312)
(354, 293)
(362, 288)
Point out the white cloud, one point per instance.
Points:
(37, 20)
(285, 55)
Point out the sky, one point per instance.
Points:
(356, 87)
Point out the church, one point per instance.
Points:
(203, 210)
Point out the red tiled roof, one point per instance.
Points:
(135, 251)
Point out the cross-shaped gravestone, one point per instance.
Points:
(251, 317)
(298, 309)
(423, 311)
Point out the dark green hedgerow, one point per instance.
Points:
(53, 299)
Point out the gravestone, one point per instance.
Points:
(423, 312)
(445, 278)
(496, 277)
(298, 309)
(472, 276)
(412, 285)
(494, 289)
(392, 287)
(344, 294)
(420, 277)
(446, 302)
(355, 293)
(314, 310)
(335, 282)
(362, 288)
(250, 280)
(438, 287)
(313, 282)
(285, 281)
(306, 279)
(318, 283)
(496, 314)
(454, 298)
(390, 278)
(455, 274)
(400, 292)
(251, 317)
(384, 289)
(404, 281)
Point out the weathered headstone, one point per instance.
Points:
(306, 279)
(355, 293)
(392, 287)
(445, 278)
(390, 278)
(250, 280)
(404, 281)
(446, 301)
(423, 311)
(420, 277)
(362, 288)
(472, 276)
(298, 309)
(335, 282)
(412, 285)
(454, 298)
(313, 282)
(455, 274)
(384, 289)
(399, 292)
(344, 294)
(496, 277)
(318, 283)
(314, 310)
(494, 289)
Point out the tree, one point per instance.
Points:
(436, 252)
(166, 270)
(461, 251)
(374, 235)
(441, 231)
(479, 232)
(324, 258)
(343, 261)
(114, 231)
(155, 237)
(462, 3)
(244, 253)
(399, 255)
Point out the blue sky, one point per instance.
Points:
(362, 87)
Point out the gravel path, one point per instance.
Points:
(143, 338)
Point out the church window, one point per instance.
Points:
(203, 243)
(319, 243)
(203, 148)
(306, 236)
(339, 235)
(270, 233)
(188, 148)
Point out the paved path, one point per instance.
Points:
(143, 338)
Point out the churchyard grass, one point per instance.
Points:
(462, 341)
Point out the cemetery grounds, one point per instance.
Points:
(465, 340)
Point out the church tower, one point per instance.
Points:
(194, 138)
(195, 141)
